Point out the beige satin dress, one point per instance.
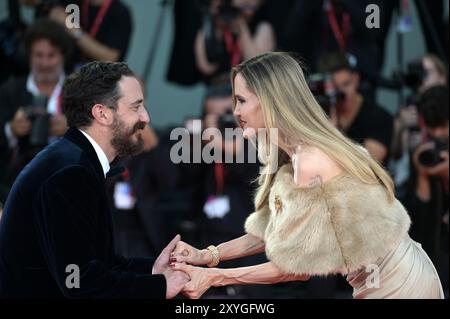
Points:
(405, 273)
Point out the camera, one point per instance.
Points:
(323, 90)
(40, 119)
(432, 157)
(413, 76)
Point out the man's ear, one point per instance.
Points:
(102, 114)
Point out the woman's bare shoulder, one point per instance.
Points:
(313, 167)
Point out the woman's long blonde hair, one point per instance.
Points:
(277, 79)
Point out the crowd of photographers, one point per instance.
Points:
(207, 203)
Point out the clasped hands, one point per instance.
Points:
(180, 263)
(187, 259)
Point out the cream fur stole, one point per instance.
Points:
(338, 227)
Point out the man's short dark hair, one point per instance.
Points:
(433, 106)
(334, 62)
(51, 31)
(94, 83)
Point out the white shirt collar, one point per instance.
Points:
(53, 101)
(100, 154)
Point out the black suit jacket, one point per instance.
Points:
(57, 215)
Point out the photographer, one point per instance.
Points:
(30, 111)
(355, 114)
(314, 28)
(427, 72)
(106, 28)
(232, 32)
(429, 191)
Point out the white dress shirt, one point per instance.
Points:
(100, 153)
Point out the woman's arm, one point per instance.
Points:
(201, 279)
(96, 50)
(263, 274)
(246, 245)
(263, 41)
(88, 45)
(376, 149)
(201, 58)
(240, 247)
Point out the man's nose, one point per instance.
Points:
(46, 62)
(144, 116)
(39, 63)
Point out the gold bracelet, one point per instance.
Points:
(215, 256)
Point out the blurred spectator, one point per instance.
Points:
(12, 32)
(106, 27)
(428, 201)
(189, 16)
(435, 72)
(232, 31)
(355, 114)
(340, 25)
(30, 112)
(429, 71)
(315, 28)
(217, 103)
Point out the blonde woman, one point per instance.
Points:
(328, 209)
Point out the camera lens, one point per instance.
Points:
(432, 157)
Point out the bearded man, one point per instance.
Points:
(56, 237)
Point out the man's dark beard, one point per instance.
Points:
(122, 138)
